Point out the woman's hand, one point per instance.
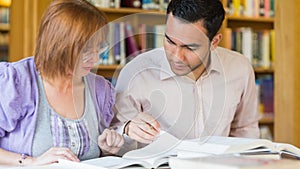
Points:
(52, 156)
(110, 141)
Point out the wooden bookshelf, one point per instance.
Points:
(287, 81)
(253, 22)
(4, 30)
(118, 13)
(108, 71)
(267, 118)
(4, 27)
(25, 18)
(261, 70)
(5, 3)
(260, 23)
(126, 11)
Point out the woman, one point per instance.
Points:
(51, 106)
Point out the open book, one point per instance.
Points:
(153, 155)
(215, 145)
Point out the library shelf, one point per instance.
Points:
(262, 70)
(113, 68)
(126, 11)
(108, 71)
(253, 22)
(4, 27)
(267, 118)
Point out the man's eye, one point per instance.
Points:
(170, 42)
(191, 49)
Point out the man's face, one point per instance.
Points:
(187, 46)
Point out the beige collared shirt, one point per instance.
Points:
(223, 101)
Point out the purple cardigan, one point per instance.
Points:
(19, 102)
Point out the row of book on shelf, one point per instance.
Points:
(4, 37)
(144, 4)
(252, 8)
(126, 43)
(257, 45)
(4, 15)
(265, 94)
(265, 90)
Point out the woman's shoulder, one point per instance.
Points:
(18, 86)
(99, 83)
(97, 79)
(21, 65)
(18, 70)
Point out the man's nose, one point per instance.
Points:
(179, 53)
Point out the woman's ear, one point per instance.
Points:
(216, 40)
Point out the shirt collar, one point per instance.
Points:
(165, 71)
(214, 66)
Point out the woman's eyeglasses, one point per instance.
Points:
(100, 53)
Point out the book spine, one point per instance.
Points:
(131, 44)
(122, 44)
(117, 52)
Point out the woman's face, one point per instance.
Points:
(88, 59)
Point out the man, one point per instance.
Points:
(191, 87)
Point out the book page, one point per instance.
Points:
(231, 162)
(164, 145)
(113, 162)
(66, 164)
(49, 166)
(225, 145)
(156, 153)
(287, 147)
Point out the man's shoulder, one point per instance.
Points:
(232, 60)
(232, 57)
(229, 53)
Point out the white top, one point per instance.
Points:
(223, 101)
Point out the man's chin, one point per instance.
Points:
(181, 72)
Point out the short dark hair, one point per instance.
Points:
(211, 12)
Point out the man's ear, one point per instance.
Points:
(216, 40)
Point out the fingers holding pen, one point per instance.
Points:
(143, 128)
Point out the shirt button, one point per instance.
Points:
(73, 144)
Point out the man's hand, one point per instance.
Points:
(142, 128)
(110, 141)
